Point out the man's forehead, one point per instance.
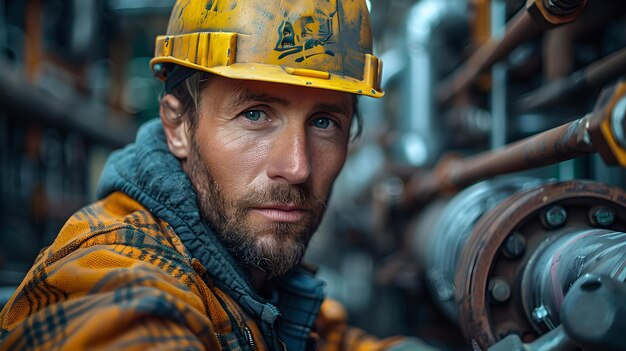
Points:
(283, 94)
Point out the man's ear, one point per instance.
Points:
(174, 126)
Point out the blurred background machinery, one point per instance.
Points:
(482, 208)
(486, 202)
(74, 85)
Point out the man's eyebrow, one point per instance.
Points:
(251, 95)
(246, 95)
(343, 109)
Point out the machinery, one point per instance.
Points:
(501, 197)
(507, 252)
(504, 254)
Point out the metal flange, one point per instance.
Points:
(493, 257)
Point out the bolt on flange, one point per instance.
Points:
(514, 246)
(499, 289)
(554, 217)
(601, 216)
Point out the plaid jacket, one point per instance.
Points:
(118, 278)
(140, 269)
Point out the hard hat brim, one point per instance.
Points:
(283, 75)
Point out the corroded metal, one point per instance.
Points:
(591, 77)
(537, 286)
(589, 134)
(559, 144)
(526, 24)
(442, 234)
(520, 28)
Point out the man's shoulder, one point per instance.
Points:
(112, 257)
(117, 220)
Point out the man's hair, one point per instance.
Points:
(189, 91)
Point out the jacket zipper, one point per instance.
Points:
(248, 334)
(282, 343)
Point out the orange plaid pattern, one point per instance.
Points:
(117, 278)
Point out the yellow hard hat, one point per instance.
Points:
(316, 43)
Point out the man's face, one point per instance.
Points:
(263, 160)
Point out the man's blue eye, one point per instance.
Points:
(252, 115)
(322, 123)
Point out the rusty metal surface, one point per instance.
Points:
(591, 77)
(584, 136)
(553, 146)
(558, 52)
(534, 18)
(606, 69)
(482, 259)
(519, 29)
(442, 233)
(559, 144)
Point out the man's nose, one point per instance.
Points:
(289, 156)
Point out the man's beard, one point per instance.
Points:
(274, 248)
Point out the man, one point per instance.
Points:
(197, 240)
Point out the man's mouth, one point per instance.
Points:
(281, 212)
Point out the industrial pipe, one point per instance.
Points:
(438, 249)
(534, 18)
(503, 253)
(600, 131)
(561, 259)
(589, 78)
